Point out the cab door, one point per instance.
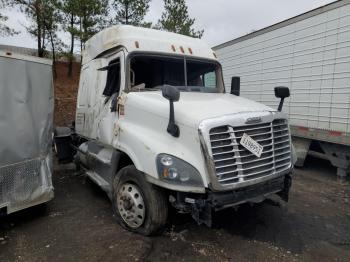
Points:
(114, 83)
(82, 103)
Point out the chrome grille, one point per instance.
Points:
(234, 163)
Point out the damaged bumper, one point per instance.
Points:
(202, 206)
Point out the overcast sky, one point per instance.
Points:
(222, 20)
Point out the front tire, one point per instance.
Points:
(138, 205)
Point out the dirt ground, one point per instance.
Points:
(78, 226)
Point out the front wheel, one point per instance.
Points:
(138, 205)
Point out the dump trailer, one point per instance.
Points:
(310, 54)
(154, 126)
(26, 119)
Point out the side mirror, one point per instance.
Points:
(281, 92)
(235, 85)
(173, 95)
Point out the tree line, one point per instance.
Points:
(81, 19)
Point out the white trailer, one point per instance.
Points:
(310, 54)
(26, 120)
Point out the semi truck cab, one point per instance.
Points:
(155, 127)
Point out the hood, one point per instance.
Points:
(193, 107)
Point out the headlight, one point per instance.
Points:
(176, 171)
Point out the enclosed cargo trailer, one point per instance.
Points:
(310, 54)
(26, 119)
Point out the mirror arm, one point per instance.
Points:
(114, 102)
(173, 95)
(281, 104)
(172, 129)
(281, 92)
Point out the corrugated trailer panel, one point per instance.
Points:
(310, 56)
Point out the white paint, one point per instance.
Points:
(148, 40)
(25, 58)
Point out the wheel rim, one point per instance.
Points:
(131, 206)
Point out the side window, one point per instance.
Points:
(202, 74)
(113, 78)
(209, 80)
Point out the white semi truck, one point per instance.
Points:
(154, 125)
(310, 54)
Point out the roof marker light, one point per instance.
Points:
(215, 55)
(173, 48)
(182, 49)
(137, 44)
(190, 50)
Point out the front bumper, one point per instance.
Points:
(235, 197)
(202, 206)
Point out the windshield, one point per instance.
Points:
(150, 72)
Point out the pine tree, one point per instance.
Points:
(34, 10)
(4, 29)
(131, 12)
(44, 18)
(70, 21)
(92, 18)
(175, 18)
(51, 19)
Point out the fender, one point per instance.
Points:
(143, 142)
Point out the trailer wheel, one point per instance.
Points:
(138, 205)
